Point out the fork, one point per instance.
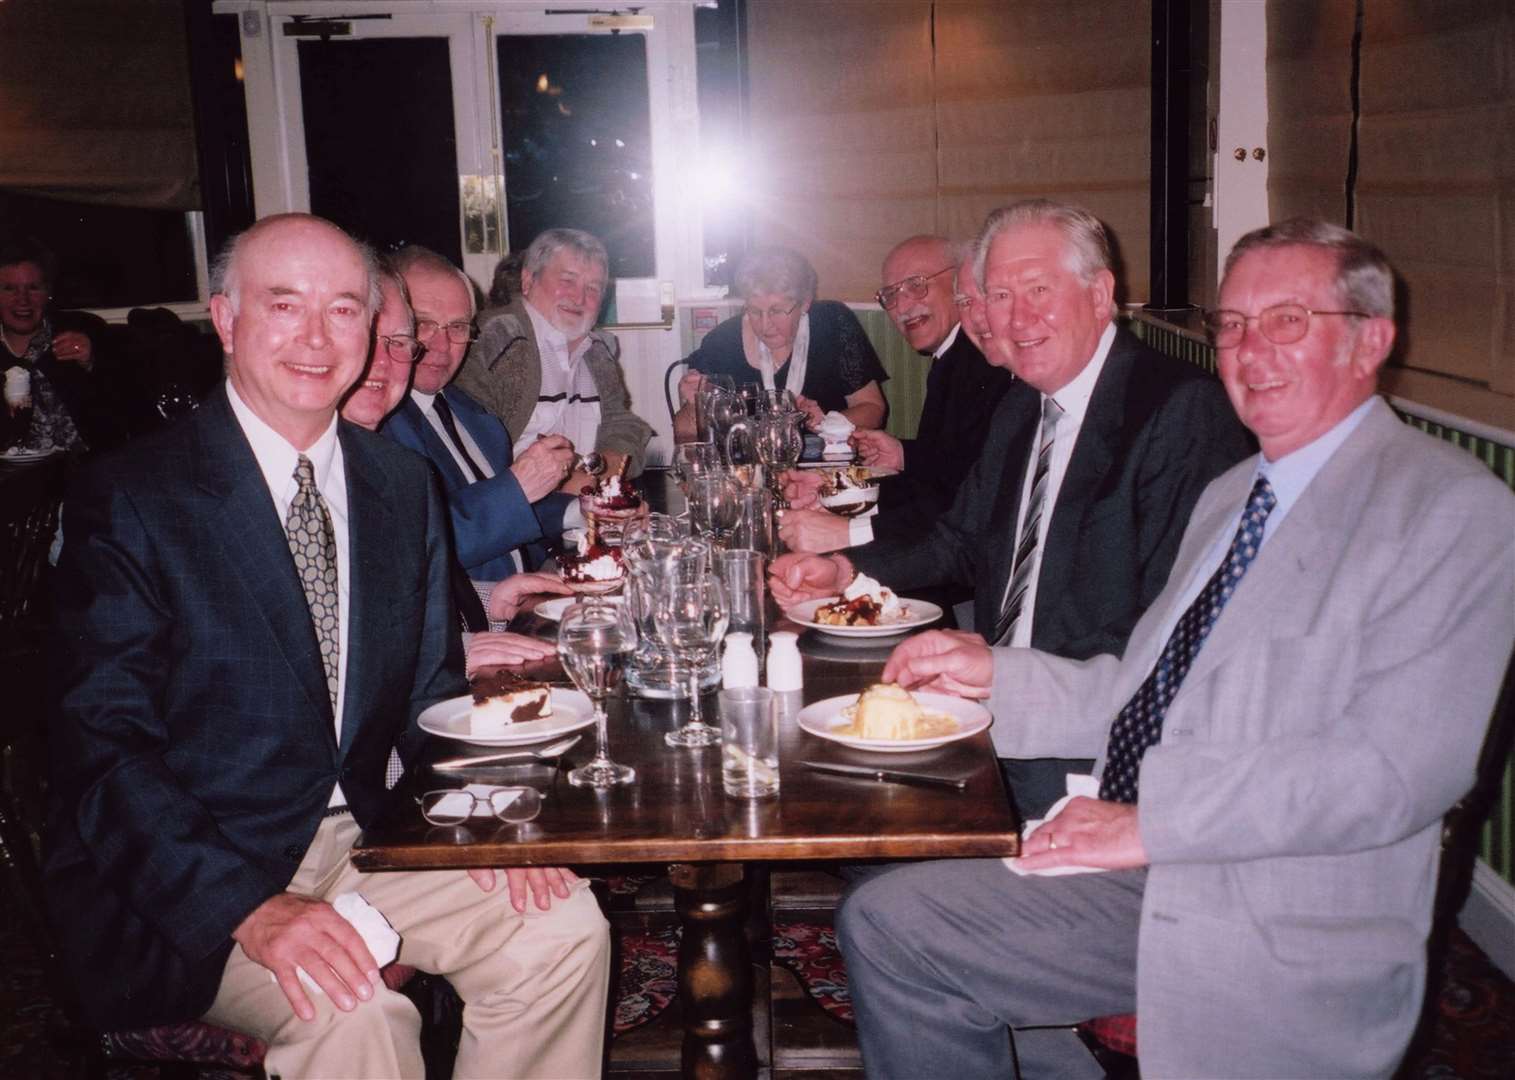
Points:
(553, 750)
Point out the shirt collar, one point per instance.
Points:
(1292, 473)
(277, 456)
(421, 398)
(947, 342)
(1074, 398)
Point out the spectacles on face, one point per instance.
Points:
(758, 315)
(915, 285)
(459, 333)
(401, 348)
(1282, 324)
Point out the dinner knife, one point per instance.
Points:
(894, 776)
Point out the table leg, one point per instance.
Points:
(715, 971)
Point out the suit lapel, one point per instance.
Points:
(1007, 504)
(436, 449)
(247, 525)
(369, 521)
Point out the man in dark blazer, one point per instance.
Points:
(252, 609)
(498, 504)
(1148, 433)
(962, 389)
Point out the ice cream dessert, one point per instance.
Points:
(864, 603)
(592, 565)
(609, 502)
(505, 698)
(887, 711)
(849, 492)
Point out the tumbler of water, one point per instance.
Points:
(749, 743)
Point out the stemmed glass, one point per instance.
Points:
(691, 618)
(780, 444)
(595, 641)
(694, 459)
(713, 506)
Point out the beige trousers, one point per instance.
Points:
(533, 985)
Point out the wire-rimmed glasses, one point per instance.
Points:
(595, 641)
(401, 348)
(1282, 324)
(914, 286)
(691, 619)
(454, 806)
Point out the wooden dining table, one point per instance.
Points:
(676, 812)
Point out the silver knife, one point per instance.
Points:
(894, 776)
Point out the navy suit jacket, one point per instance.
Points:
(490, 518)
(1156, 432)
(194, 744)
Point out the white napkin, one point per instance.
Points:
(1079, 784)
(372, 927)
(833, 430)
(455, 802)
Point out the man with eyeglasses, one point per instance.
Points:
(1067, 525)
(500, 499)
(541, 367)
(1289, 724)
(923, 277)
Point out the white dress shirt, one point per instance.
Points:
(276, 459)
(1074, 401)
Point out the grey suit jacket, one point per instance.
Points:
(1291, 812)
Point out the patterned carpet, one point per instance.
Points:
(1474, 1038)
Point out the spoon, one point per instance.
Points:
(551, 751)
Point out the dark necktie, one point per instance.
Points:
(1140, 724)
(1025, 550)
(444, 414)
(313, 543)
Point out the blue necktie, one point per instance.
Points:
(1140, 724)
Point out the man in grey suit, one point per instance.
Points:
(252, 609)
(1290, 721)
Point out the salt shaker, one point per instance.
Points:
(784, 670)
(739, 662)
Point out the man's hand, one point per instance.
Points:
(689, 385)
(542, 882)
(947, 661)
(816, 531)
(506, 598)
(543, 466)
(878, 449)
(73, 347)
(810, 409)
(802, 487)
(1088, 832)
(792, 578)
(288, 931)
(491, 649)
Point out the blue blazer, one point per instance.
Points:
(193, 737)
(490, 518)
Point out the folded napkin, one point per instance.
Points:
(833, 430)
(1079, 784)
(372, 927)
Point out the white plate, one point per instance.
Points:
(23, 457)
(823, 717)
(918, 613)
(571, 710)
(552, 610)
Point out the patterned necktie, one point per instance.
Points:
(444, 414)
(1025, 551)
(1140, 724)
(313, 543)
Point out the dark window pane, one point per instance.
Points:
(379, 140)
(578, 146)
(108, 256)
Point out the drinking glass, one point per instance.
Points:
(694, 459)
(779, 402)
(712, 387)
(691, 620)
(749, 743)
(595, 641)
(754, 522)
(713, 504)
(780, 444)
(741, 574)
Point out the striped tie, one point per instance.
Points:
(1025, 551)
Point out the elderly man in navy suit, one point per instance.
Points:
(1290, 721)
(252, 609)
(498, 503)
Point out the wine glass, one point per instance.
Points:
(712, 388)
(691, 617)
(780, 444)
(693, 459)
(713, 504)
(595, 640)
